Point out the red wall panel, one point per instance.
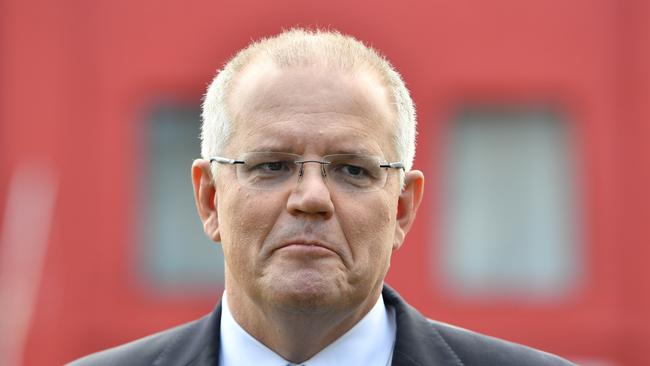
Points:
(76, 77)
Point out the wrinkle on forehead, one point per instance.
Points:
(296, 136)
(313, 120)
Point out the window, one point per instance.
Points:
(509, 204)
(175, 254)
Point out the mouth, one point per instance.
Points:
(307, 248)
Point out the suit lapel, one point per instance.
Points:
(418, 343)
(197, 346)
(209, 352)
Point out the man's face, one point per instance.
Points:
(307, 247)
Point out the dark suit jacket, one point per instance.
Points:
(420, 342)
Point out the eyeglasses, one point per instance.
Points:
(342, 172)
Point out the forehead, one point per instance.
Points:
(310, 106)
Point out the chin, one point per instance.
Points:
(308, 291)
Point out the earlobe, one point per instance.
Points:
(205, 197)
(407, 205)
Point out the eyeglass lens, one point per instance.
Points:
(345, 172)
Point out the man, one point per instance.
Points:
(307, 143)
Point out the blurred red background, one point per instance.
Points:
(534, 131)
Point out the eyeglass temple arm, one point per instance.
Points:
(219, 159)
(395, 165)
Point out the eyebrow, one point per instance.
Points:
(274, 148)
(278, 148)
(357, 151)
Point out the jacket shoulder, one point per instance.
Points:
(473, 348)
(421, 341)
(144, 351)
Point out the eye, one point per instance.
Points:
(353, 170)
(272, 166)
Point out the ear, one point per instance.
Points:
(407, 205)
(205, 197)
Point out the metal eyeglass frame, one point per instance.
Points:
(224, 160)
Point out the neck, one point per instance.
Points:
(296, 335)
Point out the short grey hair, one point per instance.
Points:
(302, 47)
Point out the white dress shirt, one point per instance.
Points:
(369, 342)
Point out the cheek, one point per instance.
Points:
(245, 219)
(369, 229)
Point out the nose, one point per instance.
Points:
(311, 196)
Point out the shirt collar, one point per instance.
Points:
(369, 342)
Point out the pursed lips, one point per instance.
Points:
(306, 245)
